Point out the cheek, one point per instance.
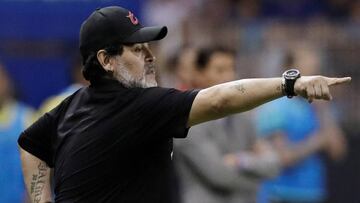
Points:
(137, 66)
(133, 65)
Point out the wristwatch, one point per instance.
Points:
(288, 82)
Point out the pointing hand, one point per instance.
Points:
(317, 87)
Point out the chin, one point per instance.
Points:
(151, 80)
(151, 84)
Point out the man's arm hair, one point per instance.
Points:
(37, 177)
(233, 97)
(242, 95)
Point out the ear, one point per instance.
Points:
(104, 60)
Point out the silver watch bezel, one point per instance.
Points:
(291, 74)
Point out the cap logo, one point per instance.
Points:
(132, 18)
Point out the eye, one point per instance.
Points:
(137, 49)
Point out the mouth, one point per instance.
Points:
(150, 69)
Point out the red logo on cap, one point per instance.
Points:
(133, 19)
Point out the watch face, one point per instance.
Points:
(292, 74)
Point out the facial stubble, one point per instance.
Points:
(124, 76)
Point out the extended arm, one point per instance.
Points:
(37, 178)
(242, 95)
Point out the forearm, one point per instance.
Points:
(243, 95)
(37, 178)
(297, 152)
(233, 97)
(256, 165)
(205, 162)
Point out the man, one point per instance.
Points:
(112, 141)
(221, 161)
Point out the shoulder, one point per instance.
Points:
(157, 91)
(56, 100)
(160, 95)
(60, 106)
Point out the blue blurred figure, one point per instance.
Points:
(299, 131)
(14, 118)
(303, 181)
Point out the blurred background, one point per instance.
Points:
(39, 48)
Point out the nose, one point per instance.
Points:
(149, 57)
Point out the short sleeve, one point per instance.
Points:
(166, 111)
(38, 138)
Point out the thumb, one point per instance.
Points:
(337, 81)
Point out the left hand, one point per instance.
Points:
(317, 87)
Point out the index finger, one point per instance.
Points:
(337, 81)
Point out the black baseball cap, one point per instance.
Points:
(114, 24)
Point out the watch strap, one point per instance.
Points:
(288, 87)
(288, 82)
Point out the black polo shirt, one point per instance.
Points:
(108, 143)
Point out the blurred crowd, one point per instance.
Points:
(272, 154)
(263, 32)
(269, 36)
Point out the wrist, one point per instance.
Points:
(243, 160)
(234, 160)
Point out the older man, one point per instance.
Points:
(112, 141)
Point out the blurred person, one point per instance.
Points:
(112, 141)
(181, 66)
(77, 82)
(14, 118)
(221, 161)
(190, 19)
(298, 132)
